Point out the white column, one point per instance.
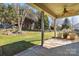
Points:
(55, 28)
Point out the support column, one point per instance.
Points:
(55, 28)
(42, 28)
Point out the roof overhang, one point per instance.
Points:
(59, 10)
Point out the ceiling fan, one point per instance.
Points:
(67, 11)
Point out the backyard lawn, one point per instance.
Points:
(12, 44)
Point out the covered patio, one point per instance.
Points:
(55, 46)
(56, 11)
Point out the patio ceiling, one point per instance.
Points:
(59, 10)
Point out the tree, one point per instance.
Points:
(30, 20)
(8, 15)
(46, 25)
(2, 12)
(21, 14)
(33, 18)
(66, 24)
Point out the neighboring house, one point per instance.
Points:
(5, 25)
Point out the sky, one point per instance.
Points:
(50, 21)
(73, 20)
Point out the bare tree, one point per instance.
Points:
(20, 16)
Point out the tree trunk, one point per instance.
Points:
(33, 25)
(19, 26)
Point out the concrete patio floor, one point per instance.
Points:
(52, 43)
(53, 47)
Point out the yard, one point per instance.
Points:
(12, 44)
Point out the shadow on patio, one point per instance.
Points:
(65, 50)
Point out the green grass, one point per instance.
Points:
(12, 44)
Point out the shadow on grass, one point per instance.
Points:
(12, 49)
